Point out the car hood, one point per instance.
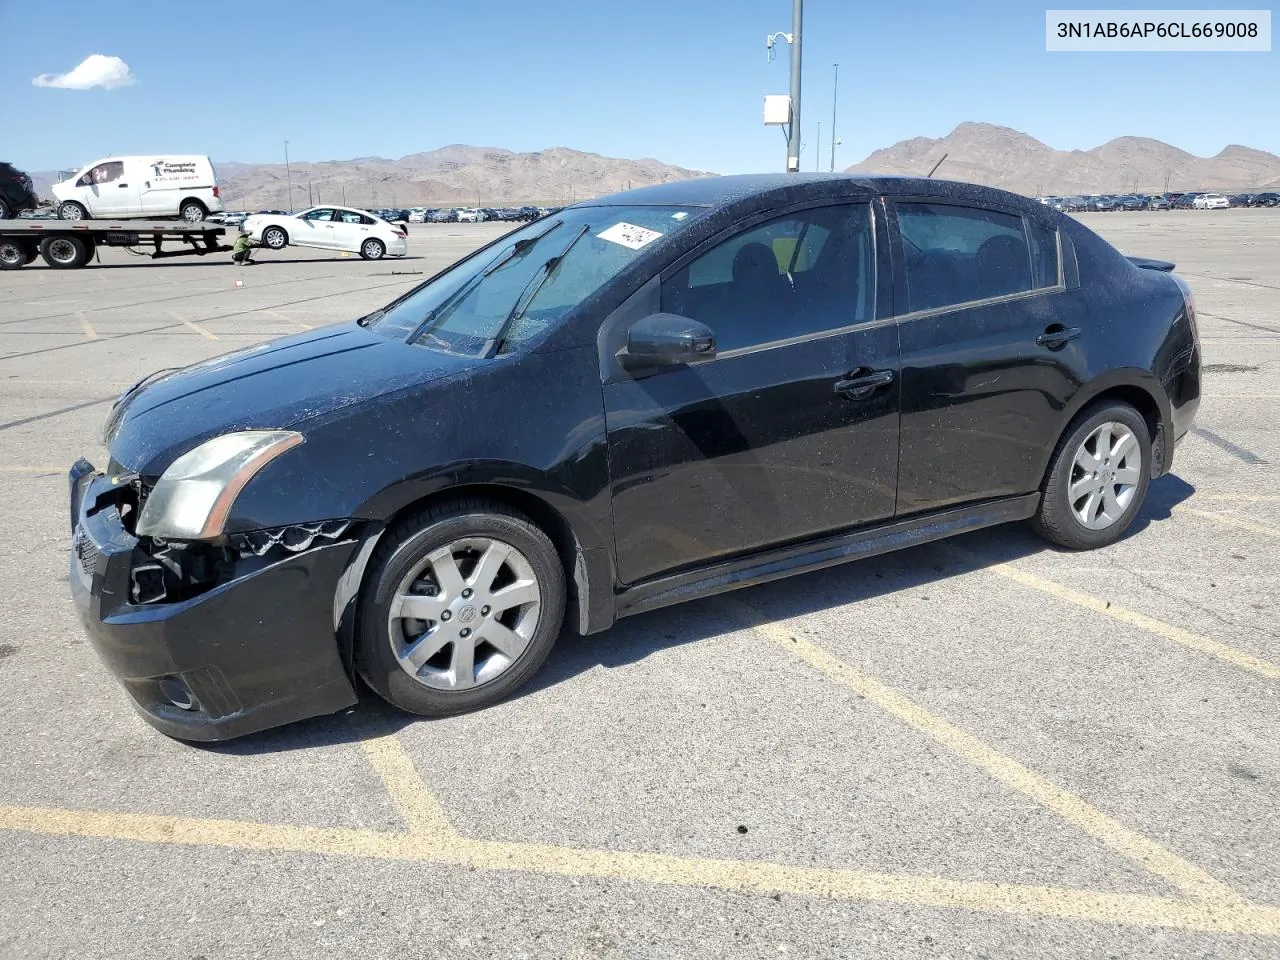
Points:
(285, 383)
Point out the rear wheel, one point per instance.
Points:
(14, 255)
(463, 606)
(64, 253)
(373, 249)
(192, 211)
(1097, 480)
(274, 238)
(72, 211)
(5, 212)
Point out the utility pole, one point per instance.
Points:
(835, 88)
(344, 194)
(793, 140)
(288, 173)
(310, 201)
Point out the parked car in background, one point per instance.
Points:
(1265, 199)
(148, 186)
(441, 216)
(1211, 201)
(467, 215)
(418, 215)
(330, 228)
(1158, 202)
(1130, 202)
(727, 392)
(1185, 201)
(16, 192)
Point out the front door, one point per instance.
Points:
(770, 441)
(316, 228)
(109, 192)
(989, 350)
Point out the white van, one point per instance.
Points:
(121, 188)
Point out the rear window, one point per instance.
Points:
(954, 255)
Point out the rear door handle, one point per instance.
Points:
(862, 383)
(1056, 335)
(123, 185)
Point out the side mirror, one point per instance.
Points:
(666, 340)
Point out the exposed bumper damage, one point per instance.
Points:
(211, 641)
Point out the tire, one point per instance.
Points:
(14, 255)
(411, 561)
(373, 249)
(72, 211)
(5, 212)
(65, 253)
(1093, 519)
(192, 211)
(274, 238)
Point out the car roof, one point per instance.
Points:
(719, 191)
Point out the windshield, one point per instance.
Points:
(505, 295)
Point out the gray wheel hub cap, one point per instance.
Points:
(1105, 473)
(465, 614)
(62, 250)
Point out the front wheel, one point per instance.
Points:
(5, 212)
(463, 605)
(373, 249)
(274, 238)
(72, 211)
(1097, 480)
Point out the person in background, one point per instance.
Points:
(242, 251)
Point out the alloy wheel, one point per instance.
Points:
(1105, 474)
(465, 614)
(71, 211)
(12, 255)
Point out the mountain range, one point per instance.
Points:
(490, 176)
(1005, 158)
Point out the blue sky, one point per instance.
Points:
(679, 80)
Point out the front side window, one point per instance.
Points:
(104, 173)
(316, 216)
(953, 255)
(799, 274)
(506, 294)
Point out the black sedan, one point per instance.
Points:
(638, 400)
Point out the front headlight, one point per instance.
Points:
(193, 497)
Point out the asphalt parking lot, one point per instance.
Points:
(984, 748)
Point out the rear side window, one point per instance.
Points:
(954, 255)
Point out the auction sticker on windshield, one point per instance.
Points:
(629, 235)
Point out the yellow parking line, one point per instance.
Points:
(1229, 521)
(89, 332)
(1193, 641)
(1240, 497)
(1121, 909)
(421, 810)
(1187, 877)
(287, 319)
(196, 327)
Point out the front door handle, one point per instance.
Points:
(1056, 335)
(123, 185)
(860, 384)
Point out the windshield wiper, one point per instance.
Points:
(517, 249)
(370, 318)
(530, 291)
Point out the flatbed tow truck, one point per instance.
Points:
(66, 244)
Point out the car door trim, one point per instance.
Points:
(827, 551)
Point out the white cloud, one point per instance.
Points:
(94, 70)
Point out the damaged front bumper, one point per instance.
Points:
(255, 651)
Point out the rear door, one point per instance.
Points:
(768, 442)
(991, 326)
(351, 228)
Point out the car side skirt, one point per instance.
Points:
(827, 552)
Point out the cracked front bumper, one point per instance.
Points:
(252, 653)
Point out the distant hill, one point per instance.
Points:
(1001, 157)
(454, 175)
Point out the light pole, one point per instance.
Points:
(792, 101)
(817, 149)
(289, 174)
(835, 89)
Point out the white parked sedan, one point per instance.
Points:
(329, 228)
(1210, 201)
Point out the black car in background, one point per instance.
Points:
(1186, 201)
(638, 400)
(16, 192)
(1265, 199)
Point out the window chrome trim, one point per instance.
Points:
(989, 301)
